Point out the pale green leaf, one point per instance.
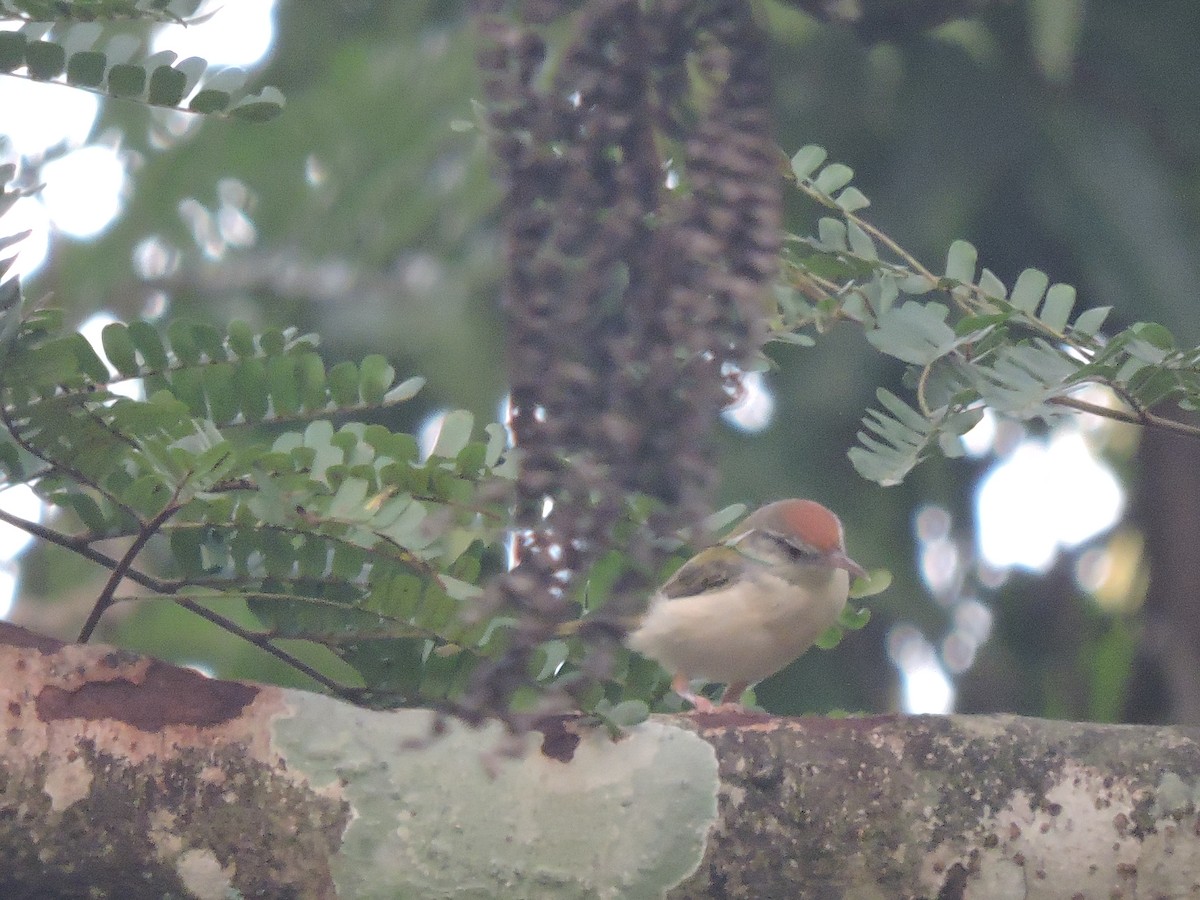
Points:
(1027, 292)
(852, 199)
(991, 285)
(860, 242)
(833, 177)
(497, 443)
(902, 411)
(914, 332)
(1056, 310)
(876, 582)
(350, 501)
(960, 261)
(830, 638)
(405, 390)
(454, 433)
(1089, 322)
(916, 284)
(807, 160)
(852, 619)
(832, 233)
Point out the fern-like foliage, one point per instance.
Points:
(969, 341)
(231, 485)
(344, 536)
(179, 11)
(68, 41)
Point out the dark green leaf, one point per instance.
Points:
(283, 385)
(312, 556)
(222, 393)
(89, 360)
(348, 562)
(251, 384)
(188, 385)
(87, 509)
(126, 80)
(377, 376)
(209, 101)
(147, 495)
(12, 50)
(278, 553)
(259, 111)
(392, 665)
(45, 59)
(185, 549)
(310, 378)
(241, 339)
(167, 86)
(118, 347)
(343, 384)
(86, 69)
(179, 332)
(210, 341)
(148, 342)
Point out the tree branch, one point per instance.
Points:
(141, 779)
(1141, 417)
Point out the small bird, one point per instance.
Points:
(741, 610)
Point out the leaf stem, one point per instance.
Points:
(1138, 417)
(104, 601)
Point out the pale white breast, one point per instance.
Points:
(743, 633)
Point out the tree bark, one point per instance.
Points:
(121, 776)
(1166, 682)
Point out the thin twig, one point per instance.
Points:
(1140, 417)
(403, 627)
(104, 601)
(168, 589)
(56, 465)
(263, 642)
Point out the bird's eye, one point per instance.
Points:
(795, 549)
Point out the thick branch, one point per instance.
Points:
(128, 777)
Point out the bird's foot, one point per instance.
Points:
(701, 704)
(680, 685)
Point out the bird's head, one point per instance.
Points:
(795, 532)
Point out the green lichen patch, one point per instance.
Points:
(622, 819)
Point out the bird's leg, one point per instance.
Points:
(733, 694)
(680, 685)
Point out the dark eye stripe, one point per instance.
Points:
(795, 550)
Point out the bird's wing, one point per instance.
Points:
(709, 570)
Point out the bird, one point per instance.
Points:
(742, 609)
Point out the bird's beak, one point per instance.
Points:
(839, 560)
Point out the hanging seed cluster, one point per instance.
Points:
(641, 222)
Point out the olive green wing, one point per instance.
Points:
(709, 570)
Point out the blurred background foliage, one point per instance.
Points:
(1061, 134)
